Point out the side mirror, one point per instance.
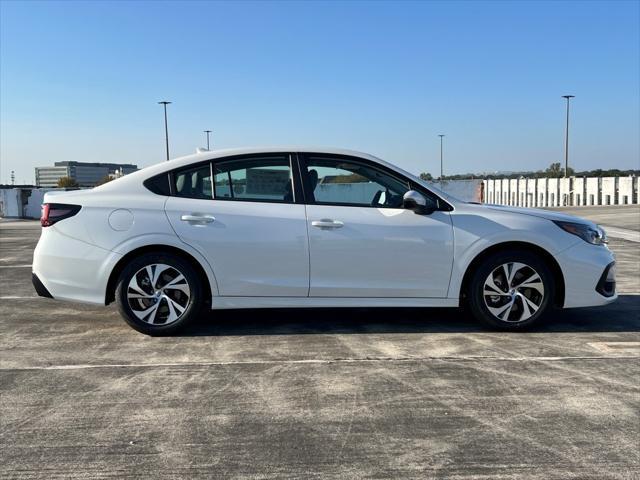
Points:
(417, 202)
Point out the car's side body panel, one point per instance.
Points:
(256, 249)
(379, 252)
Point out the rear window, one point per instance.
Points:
(158, 184)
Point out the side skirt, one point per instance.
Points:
(219, 303)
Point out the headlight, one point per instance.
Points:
(594, 236)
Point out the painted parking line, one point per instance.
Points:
(616, 347)
(461, 359)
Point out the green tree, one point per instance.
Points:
(67, 182)
(426, 176)
(556, 170)
(105, 179)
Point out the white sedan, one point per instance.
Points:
(296, 227)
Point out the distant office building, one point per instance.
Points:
(86, 174)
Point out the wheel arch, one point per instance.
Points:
(551, 262)
(157, 248)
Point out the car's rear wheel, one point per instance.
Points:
(511, 290)
(158, 294)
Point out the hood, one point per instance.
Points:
(536, 212)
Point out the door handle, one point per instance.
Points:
(327, 223)
(198, 218)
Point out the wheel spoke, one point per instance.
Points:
(515, 268)
(148, 315)
(133, 285)
(156, 275)
(534, 308)
(491, 293)
(175, 309)
(502, 312)
(534, 281)
(490, 283)
(184, 288)
(526, 311)
(178, 283)
(532, 278)
(136, 295)
(507, 273)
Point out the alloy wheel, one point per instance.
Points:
(513, 292)
(158, 294)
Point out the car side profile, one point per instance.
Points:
(300, 227)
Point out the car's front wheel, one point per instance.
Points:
(511, 290)
(158, 294)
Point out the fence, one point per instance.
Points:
(561, 192)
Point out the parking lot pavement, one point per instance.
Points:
(335, 393)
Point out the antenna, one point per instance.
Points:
(13, 177)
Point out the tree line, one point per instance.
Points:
(68, 182)
(555, 170)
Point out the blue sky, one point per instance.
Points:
(80, 81)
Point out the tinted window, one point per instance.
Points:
(255, 179)
(193, 182)
(347, 182)
(158, 184)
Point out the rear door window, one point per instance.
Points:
(193, 182)
(258, 179)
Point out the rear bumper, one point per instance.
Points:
(586, 270)
(65, 268)
(41, 290)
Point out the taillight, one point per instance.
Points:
(54, 212)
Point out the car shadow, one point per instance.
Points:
(621, 316)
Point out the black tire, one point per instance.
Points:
(493, 265)
(189, 297)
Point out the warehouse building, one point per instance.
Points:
(86, 174)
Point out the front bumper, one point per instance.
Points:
(589, 275)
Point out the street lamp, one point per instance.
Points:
(207, 132)
(166, 129)
(566, 139)
(441, 163)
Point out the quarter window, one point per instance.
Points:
(345, 182)
(266, 179)
(194, 182)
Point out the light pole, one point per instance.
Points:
(207, 132)
(166, 128)
(566, 139)
(441, 162)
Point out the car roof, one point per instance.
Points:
(228, 152)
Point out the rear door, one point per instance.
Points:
(362, 242)
(241, 214)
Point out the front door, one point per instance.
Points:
(246, 224)
(363, 243)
